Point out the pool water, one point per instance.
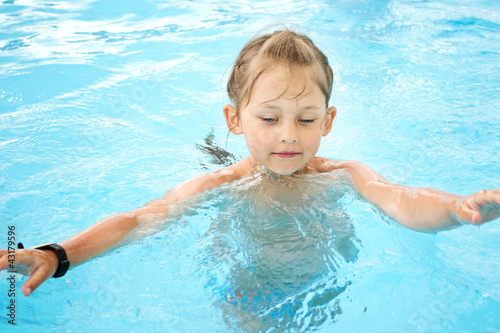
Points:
(105, 105)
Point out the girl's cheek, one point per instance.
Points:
(314, 142)
(260, 134)
(259, 140)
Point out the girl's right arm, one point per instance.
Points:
(100, 237)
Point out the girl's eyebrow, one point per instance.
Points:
(309, 107)
(267, 106)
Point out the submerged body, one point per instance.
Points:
(274, 245)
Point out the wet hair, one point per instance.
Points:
(284, 50)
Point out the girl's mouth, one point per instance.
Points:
(286, 154)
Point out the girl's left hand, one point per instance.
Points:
(478, 208)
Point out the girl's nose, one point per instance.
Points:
(289, 139)
(289, 135)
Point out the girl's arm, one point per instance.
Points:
(100, 237)
(422, 209)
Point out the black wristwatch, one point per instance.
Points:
(63, 266)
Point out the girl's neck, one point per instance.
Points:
(273, 177)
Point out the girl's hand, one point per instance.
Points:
(39, 265)
(478, 208)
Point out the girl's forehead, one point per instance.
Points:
(275, 84)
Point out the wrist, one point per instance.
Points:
(59, 254)
(52, 260)
(454, 210)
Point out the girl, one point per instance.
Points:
(280, 87)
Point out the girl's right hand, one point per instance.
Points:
(478, 208)
(37, 264)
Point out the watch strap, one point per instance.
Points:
(63, 265)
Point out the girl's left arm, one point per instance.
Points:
(423, 209)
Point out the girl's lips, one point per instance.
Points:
(286, 154)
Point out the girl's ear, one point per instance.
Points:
(330, 115)
(232, 120)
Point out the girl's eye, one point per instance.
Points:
(269, 120)
(306, 121)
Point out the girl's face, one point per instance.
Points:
(283, 130)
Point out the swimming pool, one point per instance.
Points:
(102, 108)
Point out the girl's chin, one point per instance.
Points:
(281, 171)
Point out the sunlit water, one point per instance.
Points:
(104, 106)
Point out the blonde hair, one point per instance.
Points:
(283, 50)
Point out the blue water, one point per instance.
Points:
(103, 104)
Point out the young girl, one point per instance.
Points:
(280, 87)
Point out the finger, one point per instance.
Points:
(39, 269)
(38, 276)
(475, 218)
(487, 197)
(3, 263)
(40, 264)
(468, 212)
(478, 214)
(468, 215)
(19, 258)
(14, 261)
(4, 259)
(490, 212)
(486, 203)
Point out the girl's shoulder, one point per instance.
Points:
(322, 164)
